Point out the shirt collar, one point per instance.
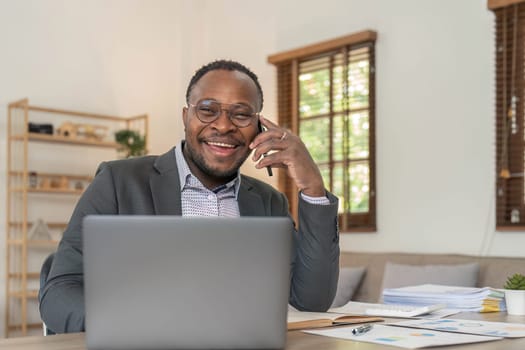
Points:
(185, 173)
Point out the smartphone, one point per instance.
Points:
(261, 129)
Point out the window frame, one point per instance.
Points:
(287, 64)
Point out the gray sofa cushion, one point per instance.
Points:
(349, 280)
(400, 275)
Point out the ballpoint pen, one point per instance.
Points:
(361, 329)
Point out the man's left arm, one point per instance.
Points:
(316, 260)
(315, 267)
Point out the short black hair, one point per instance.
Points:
(223, 65)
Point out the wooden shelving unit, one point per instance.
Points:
(26, 184)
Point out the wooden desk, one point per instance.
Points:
(296, 340)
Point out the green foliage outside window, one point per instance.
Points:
(346, 112)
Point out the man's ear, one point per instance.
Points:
(185, 116)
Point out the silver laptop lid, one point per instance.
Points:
(165, 282)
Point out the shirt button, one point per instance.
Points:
(211, 197)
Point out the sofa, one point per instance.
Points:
(371, 272)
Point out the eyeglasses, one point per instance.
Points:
(209, 110)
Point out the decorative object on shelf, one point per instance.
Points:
(40, 128)
(132, 143)
(79, 185)
(67, 129)
(63, 183)
(515, 294)
(85, 131)
(94, 132)
(33, 179)
(58, 182)
(45, 183)
(39, 231)
(55, 182)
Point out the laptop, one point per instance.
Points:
(166, 282)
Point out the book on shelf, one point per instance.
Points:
(485, 299)
(304, 320)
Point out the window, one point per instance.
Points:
(326, 96)
(510, 85)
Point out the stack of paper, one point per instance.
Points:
(358, 308)
(462, 298)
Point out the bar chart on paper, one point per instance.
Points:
(498, 329)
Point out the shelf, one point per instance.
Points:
(42, 243)
(64, 140)
(30, 294)
(53, 225)
(29, 190)
(15, 327)
(48, 191)
(29, 275)
(53, 175)
(33, 242)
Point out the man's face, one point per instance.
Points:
(216, 150)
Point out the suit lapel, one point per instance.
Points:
(165, 185)
(250, 202)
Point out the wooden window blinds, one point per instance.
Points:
(326, 95)
(510, 84)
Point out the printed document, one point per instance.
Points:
(403, 337)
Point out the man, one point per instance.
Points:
(201, 177)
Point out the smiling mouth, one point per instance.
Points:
(221, 144)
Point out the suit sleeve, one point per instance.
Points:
(62, 296)
(315, 265)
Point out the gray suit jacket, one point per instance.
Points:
(150, 186)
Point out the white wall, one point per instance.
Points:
(435, 92)
(108, 57)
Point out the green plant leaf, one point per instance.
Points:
(132, 143)
(515, 282)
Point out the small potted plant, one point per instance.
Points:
(132, 144)
(515, 294)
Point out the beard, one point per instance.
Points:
(201, 163)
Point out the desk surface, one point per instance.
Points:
(296, 340)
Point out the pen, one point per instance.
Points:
(361, 329)
(269, 169)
